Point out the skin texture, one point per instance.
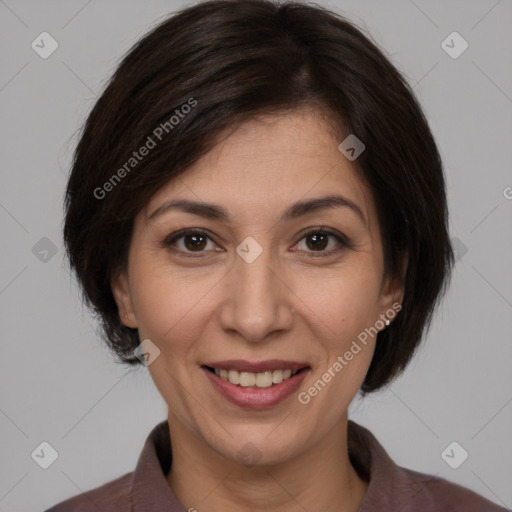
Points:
(291, 303)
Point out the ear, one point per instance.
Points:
(393, 288)
(121, 290)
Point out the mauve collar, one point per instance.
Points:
(390, 487)
(150, 489)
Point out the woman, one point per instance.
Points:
(257, 213)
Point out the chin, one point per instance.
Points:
(258, 447)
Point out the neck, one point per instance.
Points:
(321, 478)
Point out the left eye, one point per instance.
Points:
(318, 241)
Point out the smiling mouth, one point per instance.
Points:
(264, 379)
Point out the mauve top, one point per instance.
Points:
(391, 488)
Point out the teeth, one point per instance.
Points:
(249, 379)
(264, 380)
(277, 376)
(234, 376)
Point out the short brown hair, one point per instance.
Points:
(231, 60)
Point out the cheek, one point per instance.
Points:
(170, 307)
(341, 309)
(344, 310)
(341, 304)
(172, 312)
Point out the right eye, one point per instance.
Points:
(188, 241)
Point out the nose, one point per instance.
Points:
(258, 302)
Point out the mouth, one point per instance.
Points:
(256, 385)
(263, 380)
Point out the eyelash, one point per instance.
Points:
(344, 243)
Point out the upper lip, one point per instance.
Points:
(257, 367)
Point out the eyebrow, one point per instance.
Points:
(296, 210)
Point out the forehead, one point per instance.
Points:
(269, 161)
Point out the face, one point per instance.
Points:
(264, 280)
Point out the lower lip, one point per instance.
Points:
(253, 397)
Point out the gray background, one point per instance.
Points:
(58, 382)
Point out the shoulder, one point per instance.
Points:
(114, 496)
(447, 496)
